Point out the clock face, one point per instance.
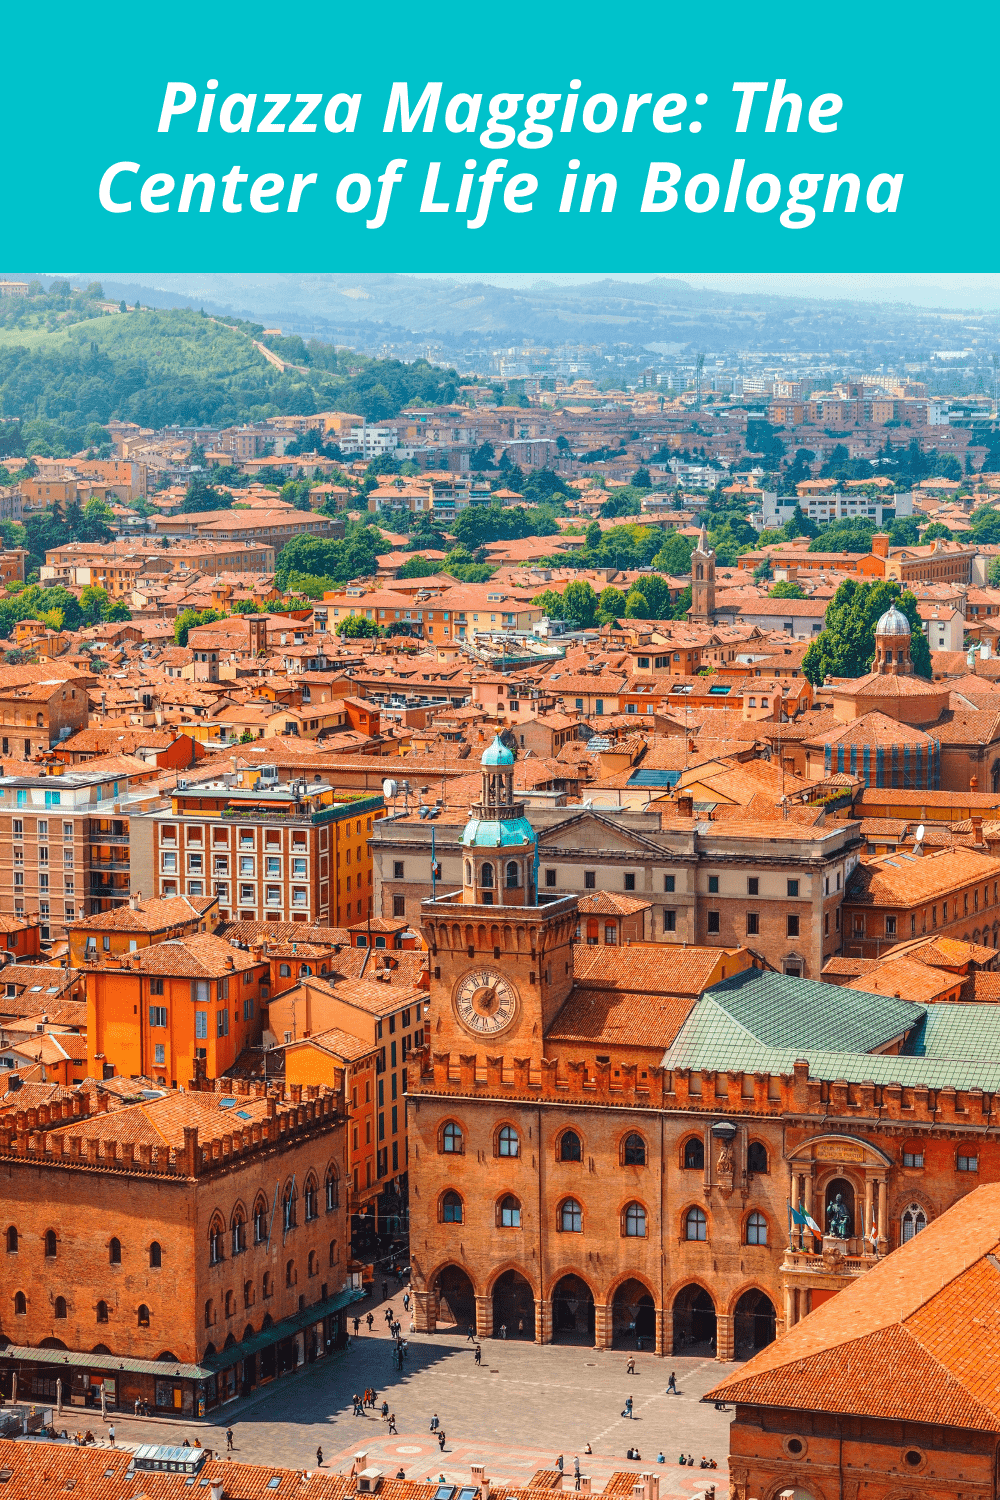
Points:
(486, 1002)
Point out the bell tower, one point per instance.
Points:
(703, 581)
(501, 965)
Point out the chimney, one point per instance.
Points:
(977, 828)
(134, 900)
(685, 806)
(973, 783)
(217, 1490)
(652, 1483)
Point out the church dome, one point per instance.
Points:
(497, 754)
(893, 622)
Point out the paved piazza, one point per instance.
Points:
(516, 1413)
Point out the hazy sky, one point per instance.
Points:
(925, 289)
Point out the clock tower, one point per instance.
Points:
(501, 965)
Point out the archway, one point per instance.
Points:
(572, 1311)
(513, 1306)
(846, 1191)
(694, 1321)
(753, 1323)
(456, 1299)
(633, 1317)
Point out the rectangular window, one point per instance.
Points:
(669, 882)
(890, 924)
(399, 906)
(160, 1054)
(590, 880)
(670, 921)
(246, 864)
(713, 885)
(792, 926)
(200, 987)
(222, 1022)
(968, 1163)
(248, 895)
(397, 869)
(155, 986)
(392, 1057)
(248, 1009)
(913, 1158)
(381, 1127)
(194, 864)
(273, 895)
(753, 886)
(272, 866)
(169, 863)
(753, 923)
(298, 869)
(630, 880)
(158, 1016)
(793, 887)
(713, 921)
(550, 877)
(201, 1025)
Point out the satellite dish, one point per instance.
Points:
(920, 834)
(389, 788)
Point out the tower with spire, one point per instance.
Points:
(703, 581)
(498, 844)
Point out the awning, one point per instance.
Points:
(287, 1328)
(72, 1359)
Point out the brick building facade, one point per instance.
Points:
(180, 1249)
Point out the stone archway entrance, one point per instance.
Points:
(754, 1323)
(633, 1317)
(513, 1306)
(572, 1311)
(456, 1299)
(694, 1321)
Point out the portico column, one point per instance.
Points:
(484, 1317)
(661, 1331)
(723, 1336)
(789, 1308)
(882, 1215)
(543, 1321)
(425, 1311)
(809, 1204)
(602, 1325)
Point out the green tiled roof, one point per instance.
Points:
(950, 1046)
(782, 1011)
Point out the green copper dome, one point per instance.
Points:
(493, 833)
(497, 754)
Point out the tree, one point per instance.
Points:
(798, 524)
(579, 604)
(903, 532)
(636, 604)
(846, 645)
(852, 535)
(993, 573)
(246, 738)
(357, 628)
(196, 455)
(622, 502)
(188, 618)
(481, 458)
(94, 604)
(985, 525)
(322, 557)
(610, 605)
(785, 589)
(937, 529)
(383, 464)
(675, 554)
(200, 496)
(641, 479)
(117, 612)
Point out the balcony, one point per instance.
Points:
(809, 1278)
(109, 866)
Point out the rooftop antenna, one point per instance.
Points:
(699, 366)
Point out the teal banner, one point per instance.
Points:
(470, 138)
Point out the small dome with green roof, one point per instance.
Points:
(497, 754)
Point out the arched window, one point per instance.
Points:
(571, 1217)
(468, 872)
(209, 1313)
(508, 1141)
(486, 877)
(451, 1209)
(215, 1247)
(248, 1294)
(50, 1243)
(635, 1222)
(756, 1157)
(914, 1219)
(332, 1190)
(510, 1212)
(304, 970)
(288, 1206)
(285, 970)
(313, 1267)
(20, 1305)
(634, 1151)
(289, 1273)
(570, 1148)
(143, 1318)
(694, 1154)
(259, 1222)
(115, 1252)
(102, 1312)
(333, 1252)
(756, 1229)
(451, 1139)
(155, 1254)
(267, 1288)
(311, 1200)
(513, 875)
(59, 1307)
(239, 1232)
(695, 1224)
(230, 1304)
(11, 1240)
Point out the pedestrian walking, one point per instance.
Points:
(111, 1434)
(392, 1423)
(406, 1301)
(435, 1424)
(628, 1407)
(441, 1440)
(229, 1440)
(370, 1320)
(385, 1411)
(319, 1458)
(630, 1367)
(357, 1326)
(672, 1385)
(503, 1330)
(471, 1333)
(559, 1463)
(479, 1355)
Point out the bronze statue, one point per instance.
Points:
(838, 1220)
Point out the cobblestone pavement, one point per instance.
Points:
(516, 1413)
